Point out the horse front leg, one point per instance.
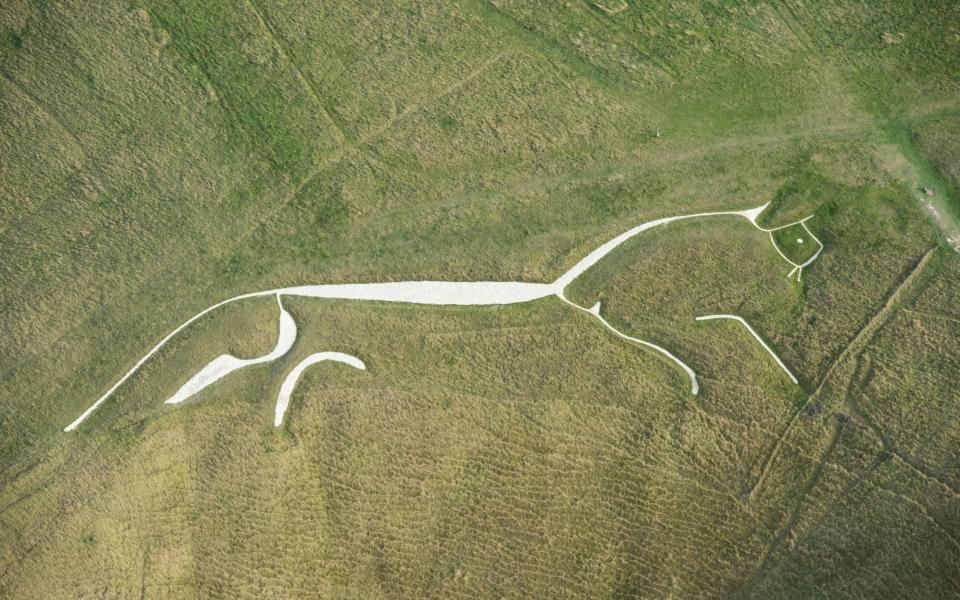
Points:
(225, 364)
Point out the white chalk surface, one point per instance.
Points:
(447, 293)
(290, 382)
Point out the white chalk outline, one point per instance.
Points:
(290, 382)
(798, 269)
(595, 311)
(225, 364)
(477, 293)
(757, 336)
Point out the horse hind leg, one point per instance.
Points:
(595, 311)
(225, 364)
(290, 382)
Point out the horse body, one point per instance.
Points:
(455, 293)
(459, 293)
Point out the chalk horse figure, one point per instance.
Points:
(476, 293)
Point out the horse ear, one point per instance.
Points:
(595, 309)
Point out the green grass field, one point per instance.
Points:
(158, 157)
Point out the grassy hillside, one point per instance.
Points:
(158, 157)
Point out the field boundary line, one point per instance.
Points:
(21, 89)
(768, 462)
(834, 365)
(794, 517)
(910, 461)
(336, 155)
(877, 321)
(416, 107)
(590, 7)
(284, 49)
